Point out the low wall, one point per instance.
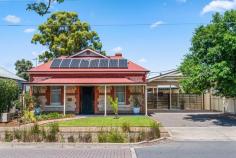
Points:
(77, 132)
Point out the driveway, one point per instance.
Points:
(198, 126)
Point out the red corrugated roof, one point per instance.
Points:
(86, 81)
(46, 68)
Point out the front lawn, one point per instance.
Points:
(133, 121)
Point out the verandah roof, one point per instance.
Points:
(86, 81)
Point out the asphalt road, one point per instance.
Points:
(211, 149)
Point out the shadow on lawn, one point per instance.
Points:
(217, 119)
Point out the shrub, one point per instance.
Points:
(154, 132)
(114, 105)
(17, 134)
(9, 92)
(8, 136)
(30, 101)
(102, 137)
(86, 138)
(53, 132)
(125, 127)
(53, 115)
(71, 139)
(141, 136)
(112, 136)
(35, 133)
(28, 117)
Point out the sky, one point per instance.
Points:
(159, 45)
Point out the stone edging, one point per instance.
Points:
(77, 145)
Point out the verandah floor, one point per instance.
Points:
(109, 121)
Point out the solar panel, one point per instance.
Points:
(56, 63)
(65, 63)
(103, 63)
(113, 63)
(94, 63)
(123, 63)
(84, 63)
(75, 63)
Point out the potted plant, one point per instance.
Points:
(136, 105)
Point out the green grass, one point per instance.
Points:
(134, 121)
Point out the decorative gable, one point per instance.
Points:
(88, 53)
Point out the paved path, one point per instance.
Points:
(9, 152)
(199, 126)
(189, 150)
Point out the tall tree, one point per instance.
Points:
(64, 34)
(43, 7)
(22, 66)
(211, 62)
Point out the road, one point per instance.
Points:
(173, 149)
(211, 149)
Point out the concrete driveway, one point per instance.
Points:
(199, 126)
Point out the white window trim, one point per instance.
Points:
(54, 103)
(122, 103)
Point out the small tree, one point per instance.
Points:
(114, 105)
(9, 91)
(22, 66)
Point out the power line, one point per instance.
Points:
(119, 25)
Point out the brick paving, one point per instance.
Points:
(65, 153)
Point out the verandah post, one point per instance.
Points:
(64, 108)
(146, 111)
(105, 106)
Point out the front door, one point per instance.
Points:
(87, 94)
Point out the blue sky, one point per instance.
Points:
(158, 46)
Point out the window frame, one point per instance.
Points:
(121, 103)
(52, 89)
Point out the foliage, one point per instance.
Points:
(18, 104)
(28, 117)
(211, 62)
(64, 34)
(155, 131)
(51, 116)
(114, 105)
(29, 101)
(9, 92)
(112, 136)
(125, 127)
(8, 136)
(53, 132)
(71, 139)
(42, 8)
(86, 138)
(22, 66)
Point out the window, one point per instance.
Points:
(120, 94)
(56, 95)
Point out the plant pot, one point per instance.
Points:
(136, 110)
(4, 117)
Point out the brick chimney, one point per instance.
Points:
(118, 55)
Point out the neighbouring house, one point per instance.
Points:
(164, 93)
(5, 74)
(83, 82)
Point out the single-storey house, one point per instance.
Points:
(84, 82)
(5, 74)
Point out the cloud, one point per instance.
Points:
(156, 24)
(142, 60)
(29, 30)
(117, 49)
(219, 6)
(12, 19)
